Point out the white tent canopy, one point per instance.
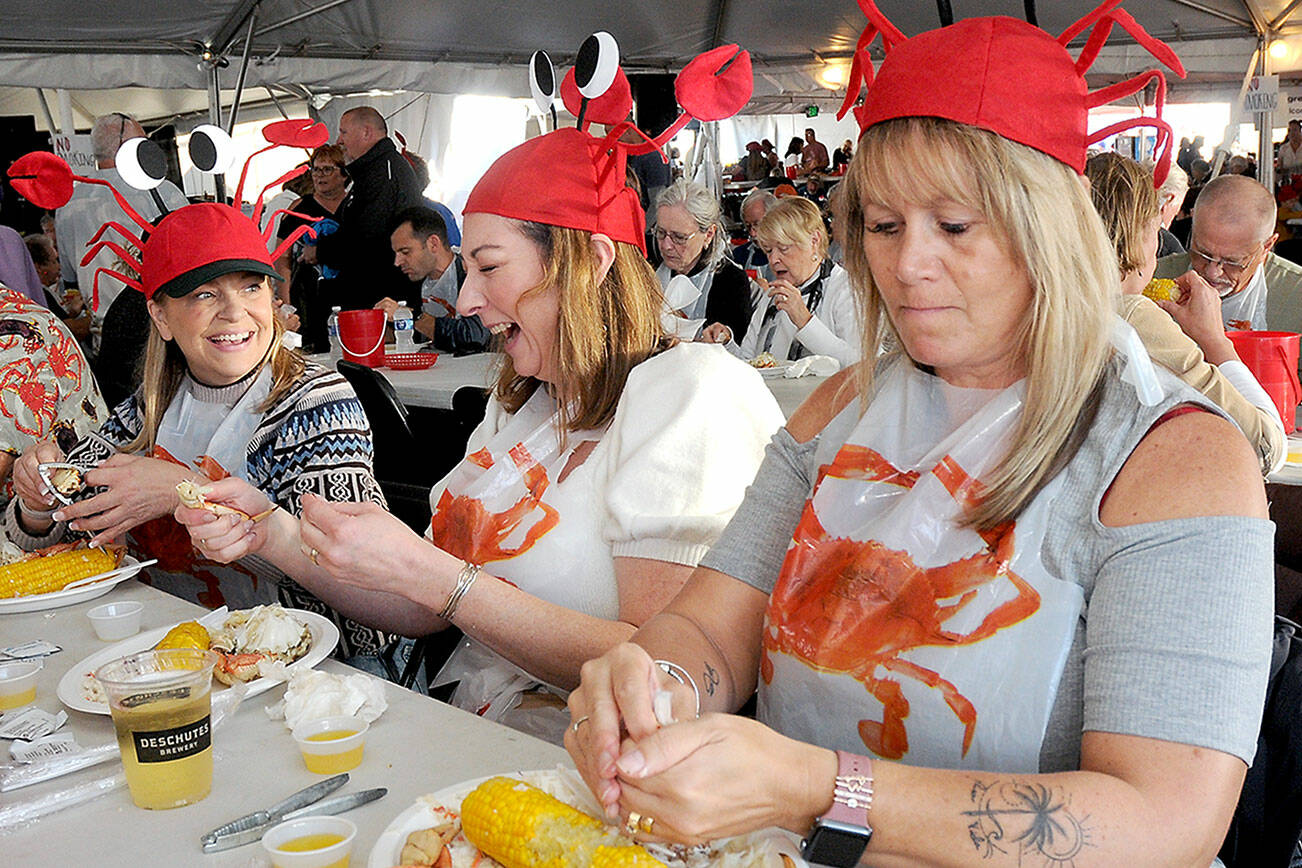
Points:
(480, 46)
(166, 61)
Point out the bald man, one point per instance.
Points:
(1229, 246)
(383, 184)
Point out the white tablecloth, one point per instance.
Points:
(417, 746)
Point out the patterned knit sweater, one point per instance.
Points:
(315, 439)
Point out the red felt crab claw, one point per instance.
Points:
(611, 107)
(297, 133)
(43, 178)
(710, 92)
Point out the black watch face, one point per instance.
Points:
(835, 844)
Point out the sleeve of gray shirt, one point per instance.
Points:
(754, 544)
(1178, 630)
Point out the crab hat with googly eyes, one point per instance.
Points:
(573, 179)
(1006, 76)
(191, 245)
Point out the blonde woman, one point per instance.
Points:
(1193, 345)
(962, 580)
(609, 459)
(220, 395)
(810, 306)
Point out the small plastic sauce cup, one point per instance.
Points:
(116, 620)
(18, 683)
(311, 842)
(332, 744)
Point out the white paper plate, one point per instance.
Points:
(564, 784)
(776, 371)
(325, 635)
(55, 599)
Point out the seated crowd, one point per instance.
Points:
(956, 572)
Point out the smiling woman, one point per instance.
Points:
(220, 396)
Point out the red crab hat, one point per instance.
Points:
(176, 265)
(572, 179)
(975, 72)
(189, 246)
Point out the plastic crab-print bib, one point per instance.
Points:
(211, 437)
(894, 629)
(505, 507)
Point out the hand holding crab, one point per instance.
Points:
(31, 489)
(223, 517)
(137, 489)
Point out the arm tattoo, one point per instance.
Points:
(711, 679)
(1030, 821)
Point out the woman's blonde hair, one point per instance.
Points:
(1043, 213)
(604, 327)
(1123, 195)
(793, 220)
(164, 368)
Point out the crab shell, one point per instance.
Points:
(250, 636)
(192, 496)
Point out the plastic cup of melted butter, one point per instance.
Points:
(18, 683)
(311, 842)
(332, 745)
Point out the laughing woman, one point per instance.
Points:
(220, 395)
(609, 459)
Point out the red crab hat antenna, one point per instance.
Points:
(974, 72)
(572, 179)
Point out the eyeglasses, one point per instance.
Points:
(678, 238)
(1230, 267)
(324, 170)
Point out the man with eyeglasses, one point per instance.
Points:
(91, 206)
(1229, 246)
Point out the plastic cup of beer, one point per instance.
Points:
(160, 702)
(332, 745)
(18, 683)
(311, 842)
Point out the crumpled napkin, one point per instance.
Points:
(312, 695)
(812, 366)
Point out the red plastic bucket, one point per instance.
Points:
(361, 334)
(1272, 357)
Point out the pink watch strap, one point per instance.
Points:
(852, 795)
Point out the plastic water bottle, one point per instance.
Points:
(332, 332)
(404, 329)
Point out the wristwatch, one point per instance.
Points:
(839, 837)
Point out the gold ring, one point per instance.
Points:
(574, 727)
(311, 556)
(645, 824)
(632, 823)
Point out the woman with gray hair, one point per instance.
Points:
(689, 233)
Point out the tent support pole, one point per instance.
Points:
(244, 69)
(300, 16)
(215, 118)
(49, 118)
(1265, 125)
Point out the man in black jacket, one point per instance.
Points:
(383, 185)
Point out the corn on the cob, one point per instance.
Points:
(44, 575)
(1162, 289)
(187, 634)
(522, 827)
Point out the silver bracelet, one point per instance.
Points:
(682, 676)
(466, 578)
